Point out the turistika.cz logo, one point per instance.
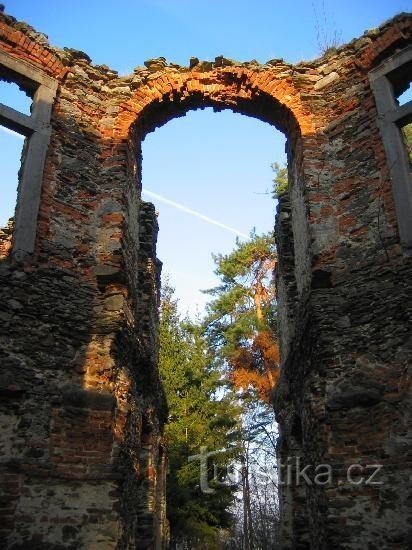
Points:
(293, 472)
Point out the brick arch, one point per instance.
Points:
(274, 95)
(270, 96)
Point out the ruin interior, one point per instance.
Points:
(83, 461)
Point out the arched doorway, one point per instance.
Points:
(229, 88)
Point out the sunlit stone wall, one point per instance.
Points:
(83, 462)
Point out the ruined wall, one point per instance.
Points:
(82, 456)
(82, 409)
(344, 394)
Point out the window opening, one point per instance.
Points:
(15, 97)
(11, 147)
(391, 84)
(405, 96)
(26, 99)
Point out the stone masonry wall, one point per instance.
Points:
(80, 396)
(344, 393)
(83, 462)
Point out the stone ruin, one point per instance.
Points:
(83, 460)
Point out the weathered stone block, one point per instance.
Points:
(87, 399)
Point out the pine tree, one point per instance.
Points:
(200, 414)
(241, 323)
(241, 328)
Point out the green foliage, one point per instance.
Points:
(241, 329)
(280, 181)
(244, 261)
(200, 414)
(231, 316)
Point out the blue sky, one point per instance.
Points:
(215, 164)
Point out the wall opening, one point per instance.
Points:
(41, 88)
(390, 83)
(14, 96)
(12, 144)
(11, 147)
(210, 177)
(403, 98)
(402, 86)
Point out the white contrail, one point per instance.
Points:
(12, 132)
(193, 212)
